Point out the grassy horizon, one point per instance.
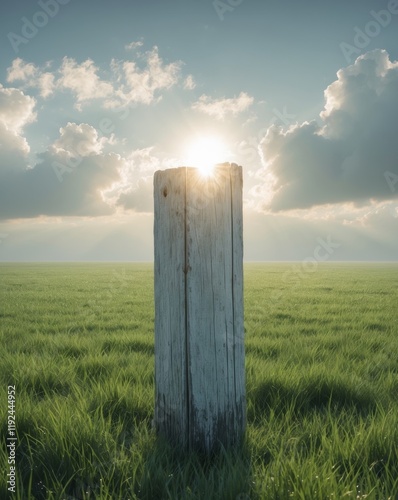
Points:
(321, 377)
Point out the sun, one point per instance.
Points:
(205, 152)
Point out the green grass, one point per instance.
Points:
(322, 386)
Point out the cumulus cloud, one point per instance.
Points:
(13, 148)
(46, 84)
(139, 80)
(134, 189)
(75, 176)
(80, 140)
(19, 70)
(219, 108)
(352, 155)
(141, 85)
(139, 198)
(16, 111)
(83, 80)
(67, 180)
(31, 76)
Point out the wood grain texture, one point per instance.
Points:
(170, 322)
(199, 307)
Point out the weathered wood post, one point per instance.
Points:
(200, 400)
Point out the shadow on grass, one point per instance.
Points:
(123, 409)
(171, 473)
(164, 472)
(44, 385)
(311, 396)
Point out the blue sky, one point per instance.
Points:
(95, 96)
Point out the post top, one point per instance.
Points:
(217, 167)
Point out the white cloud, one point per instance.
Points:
(46, 84)
(144, 161)
(219, 108)
(378, 217)
(138, 198)
(75, 176)
(134, 45)
(67, 180)
(132, 81)
(136, 85)
(79, 140)
(346, 157)
(83, 80)
(189, 83)
(16, 111)
(134, 189)
(31, 76)
(19, 70)
(13, 147)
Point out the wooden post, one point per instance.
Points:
(200, 399)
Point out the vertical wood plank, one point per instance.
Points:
(171, 418)
(216, 401)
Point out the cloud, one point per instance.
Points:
(13, 148)
(83, 80)
(138, 81)
(141, 85)
(189, 83)
(16, 111)
(134, 189)
(67, 179)
(46, 84)
(219, 108)
(19, 70)
(80, 140)
(75, 176)
(348, 155)
(139, 198)
(31, 76)
(382, 217)
(134, 45)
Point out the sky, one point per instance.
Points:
(95, 96)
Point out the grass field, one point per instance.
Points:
(322, 386)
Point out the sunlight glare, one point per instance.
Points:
(206, 152)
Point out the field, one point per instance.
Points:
(322, 386)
